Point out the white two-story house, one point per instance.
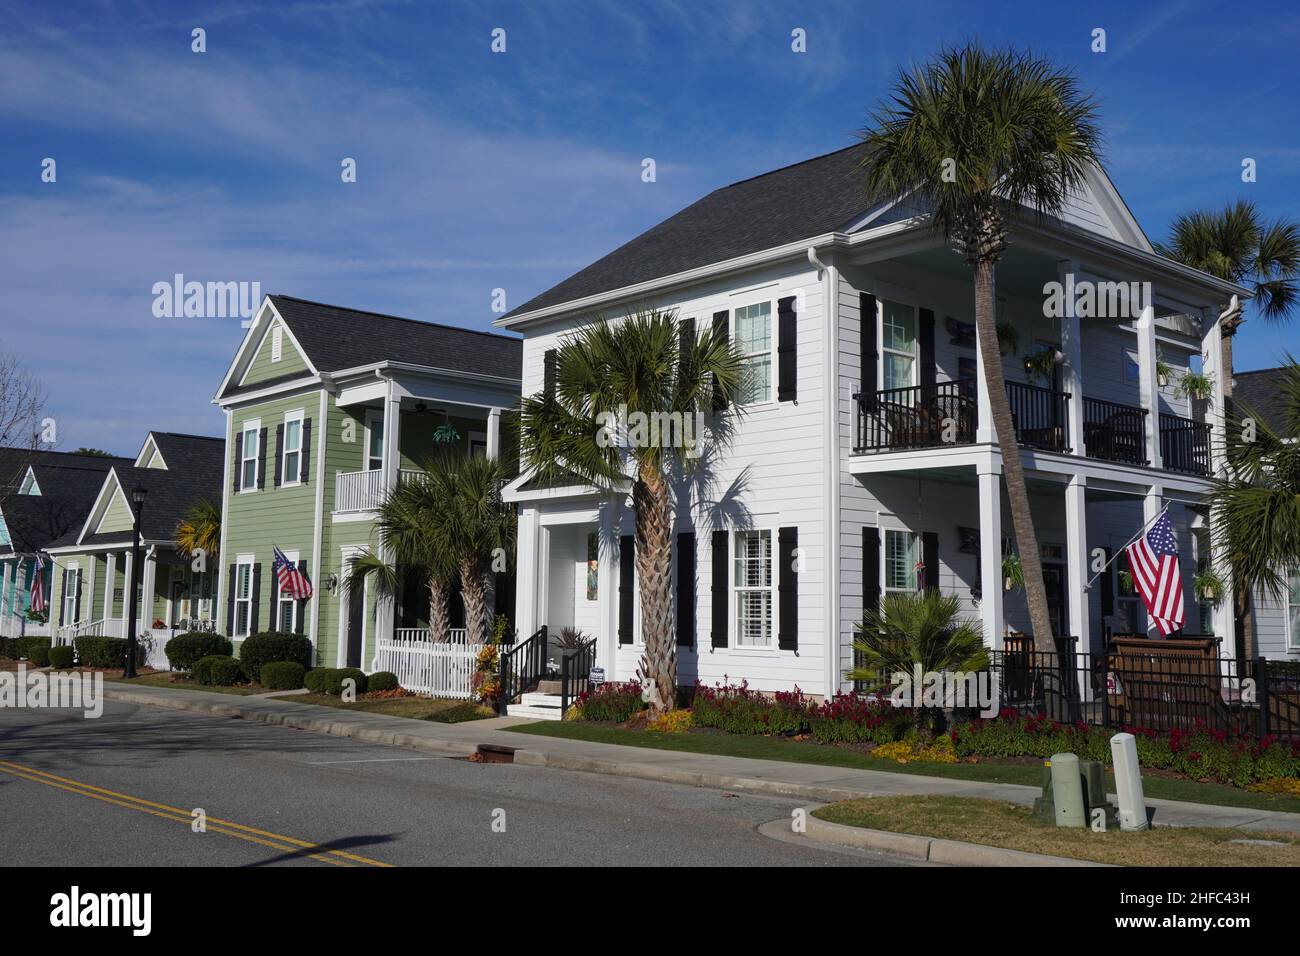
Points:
(864, 449)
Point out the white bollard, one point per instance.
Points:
(1128, 782)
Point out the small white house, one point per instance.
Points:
(840, 484)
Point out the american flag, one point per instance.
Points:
(37, 602)
(1153, 560)
(292, 581)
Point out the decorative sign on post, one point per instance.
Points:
(597, 676)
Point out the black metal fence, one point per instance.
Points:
(1041, 416)
(1184, 444)
(1114, 431)
(520, 667)
(575, 673)
(921, 416)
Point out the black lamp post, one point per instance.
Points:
(137, 510)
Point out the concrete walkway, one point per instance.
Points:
(805, 781)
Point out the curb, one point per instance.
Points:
(928, 849)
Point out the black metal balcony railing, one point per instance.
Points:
(1184, 444)
(922, 416)
(1114, 431)
(1041, 416)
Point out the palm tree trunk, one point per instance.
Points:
(473, 591)
(1013, 474)
(1226, 349)
(654, 520)
(439, 624)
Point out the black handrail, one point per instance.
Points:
(521, 667)
(1184, 444)
(1041, 416)
(1114, 431)
(920, 416)
(575, 673)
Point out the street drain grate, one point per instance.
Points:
(492, 753)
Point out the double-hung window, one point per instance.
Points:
(71, 610)
(291, 454)
(898, 344)
(248, 442)
(753, 336)
(1293, 612)
(374, 442)
(755, 595)
(902, 553)
(287, 612)
(243, 584)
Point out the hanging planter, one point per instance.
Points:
(1041, 366)
(1195, 385)
(1208, 586)
(1162, 372)
(1013, 574)
(1008, 338)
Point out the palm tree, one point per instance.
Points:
(646, 364)
(1236, 244)
(980, 137)
(200, 530)
(1255, 507)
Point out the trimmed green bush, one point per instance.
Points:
(268, 646)
(106, 651)
(282, 675)
(35, 649)
(184, 649)
(62, 657)
(314, 679)
(329, 680)
(218, 670)
(382, 680)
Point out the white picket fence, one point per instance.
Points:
(440, 670)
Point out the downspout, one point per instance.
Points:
(830, 279)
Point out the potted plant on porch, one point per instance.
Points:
(1208, 585)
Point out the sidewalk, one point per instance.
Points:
(805, 782)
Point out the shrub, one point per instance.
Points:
(61, 657)
(382, 680)
(739, 710)
(35, 649)
(184, 649)
(314, 680)
(218, 670)
(611, 702)
(282, 675)
(105, 651)
(851, 719)
(329, 680)
(268, 646)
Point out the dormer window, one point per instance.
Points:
(29, 485)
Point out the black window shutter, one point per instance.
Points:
(870, 569)
(720, 591)
(787, 589)
(626, 571)
(279, 454)
(275, 601)
(305, 457)
(685, 340)
(63, 590)
(301, 623)
(77, 615)
(1107, 587)
(257, 597)
(261, 460)
(230, 600)
(925, 347)
(548, 373)
(930, 556)
(721, 325)
(686, 589)
(236, 470)
(786, 351)
(867, 342)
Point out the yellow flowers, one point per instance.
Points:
(938, 750)
(672, 722)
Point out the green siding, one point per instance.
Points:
(155, 460)
(118, 515)
(262, 368)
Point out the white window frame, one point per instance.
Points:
(281, 600)
(277, 343)
(770, 351)
(253, 425)
(285, 482)
(373, 415)
(477, 439)
(914, 549)
(241, 562)
(885, 351)
(70, 594)
(734, 590)
(1292, 613)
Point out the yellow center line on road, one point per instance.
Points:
(238, 830)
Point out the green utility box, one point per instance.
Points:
(1093, 775)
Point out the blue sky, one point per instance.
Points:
(479, 170)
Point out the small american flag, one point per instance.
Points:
(1153, 559)
(292, 581)
(37, 602)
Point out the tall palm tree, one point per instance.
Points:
(1255, 507)
(979, 138)
(1238, 245)
(645, 364)
(200, 529)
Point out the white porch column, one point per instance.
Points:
(990, 492)
(528, 574)
(494, 433)
(1077, 574)
(148, 575)
(110, 575)
(1152, 504)
(1072, 346)
(1148, 384)
(128, 591)
(385, 607)
(984, 430)
(607, 592)
(1212, 365)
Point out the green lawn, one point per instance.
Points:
(791, 751)
(994, 823)
(175, 681)
(416, 708)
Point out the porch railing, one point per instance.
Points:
(358, 490)
(455, 635)
(1041, 416)
(1114, 431)
(521, 667)
(921, 416)
(1184, 444)
(575, 673)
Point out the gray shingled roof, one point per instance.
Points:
(1262, 392)
(797, 202)
(68, 483)
(336, 338)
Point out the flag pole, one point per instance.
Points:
(1141, 531)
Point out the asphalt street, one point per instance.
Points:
(124, 790)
